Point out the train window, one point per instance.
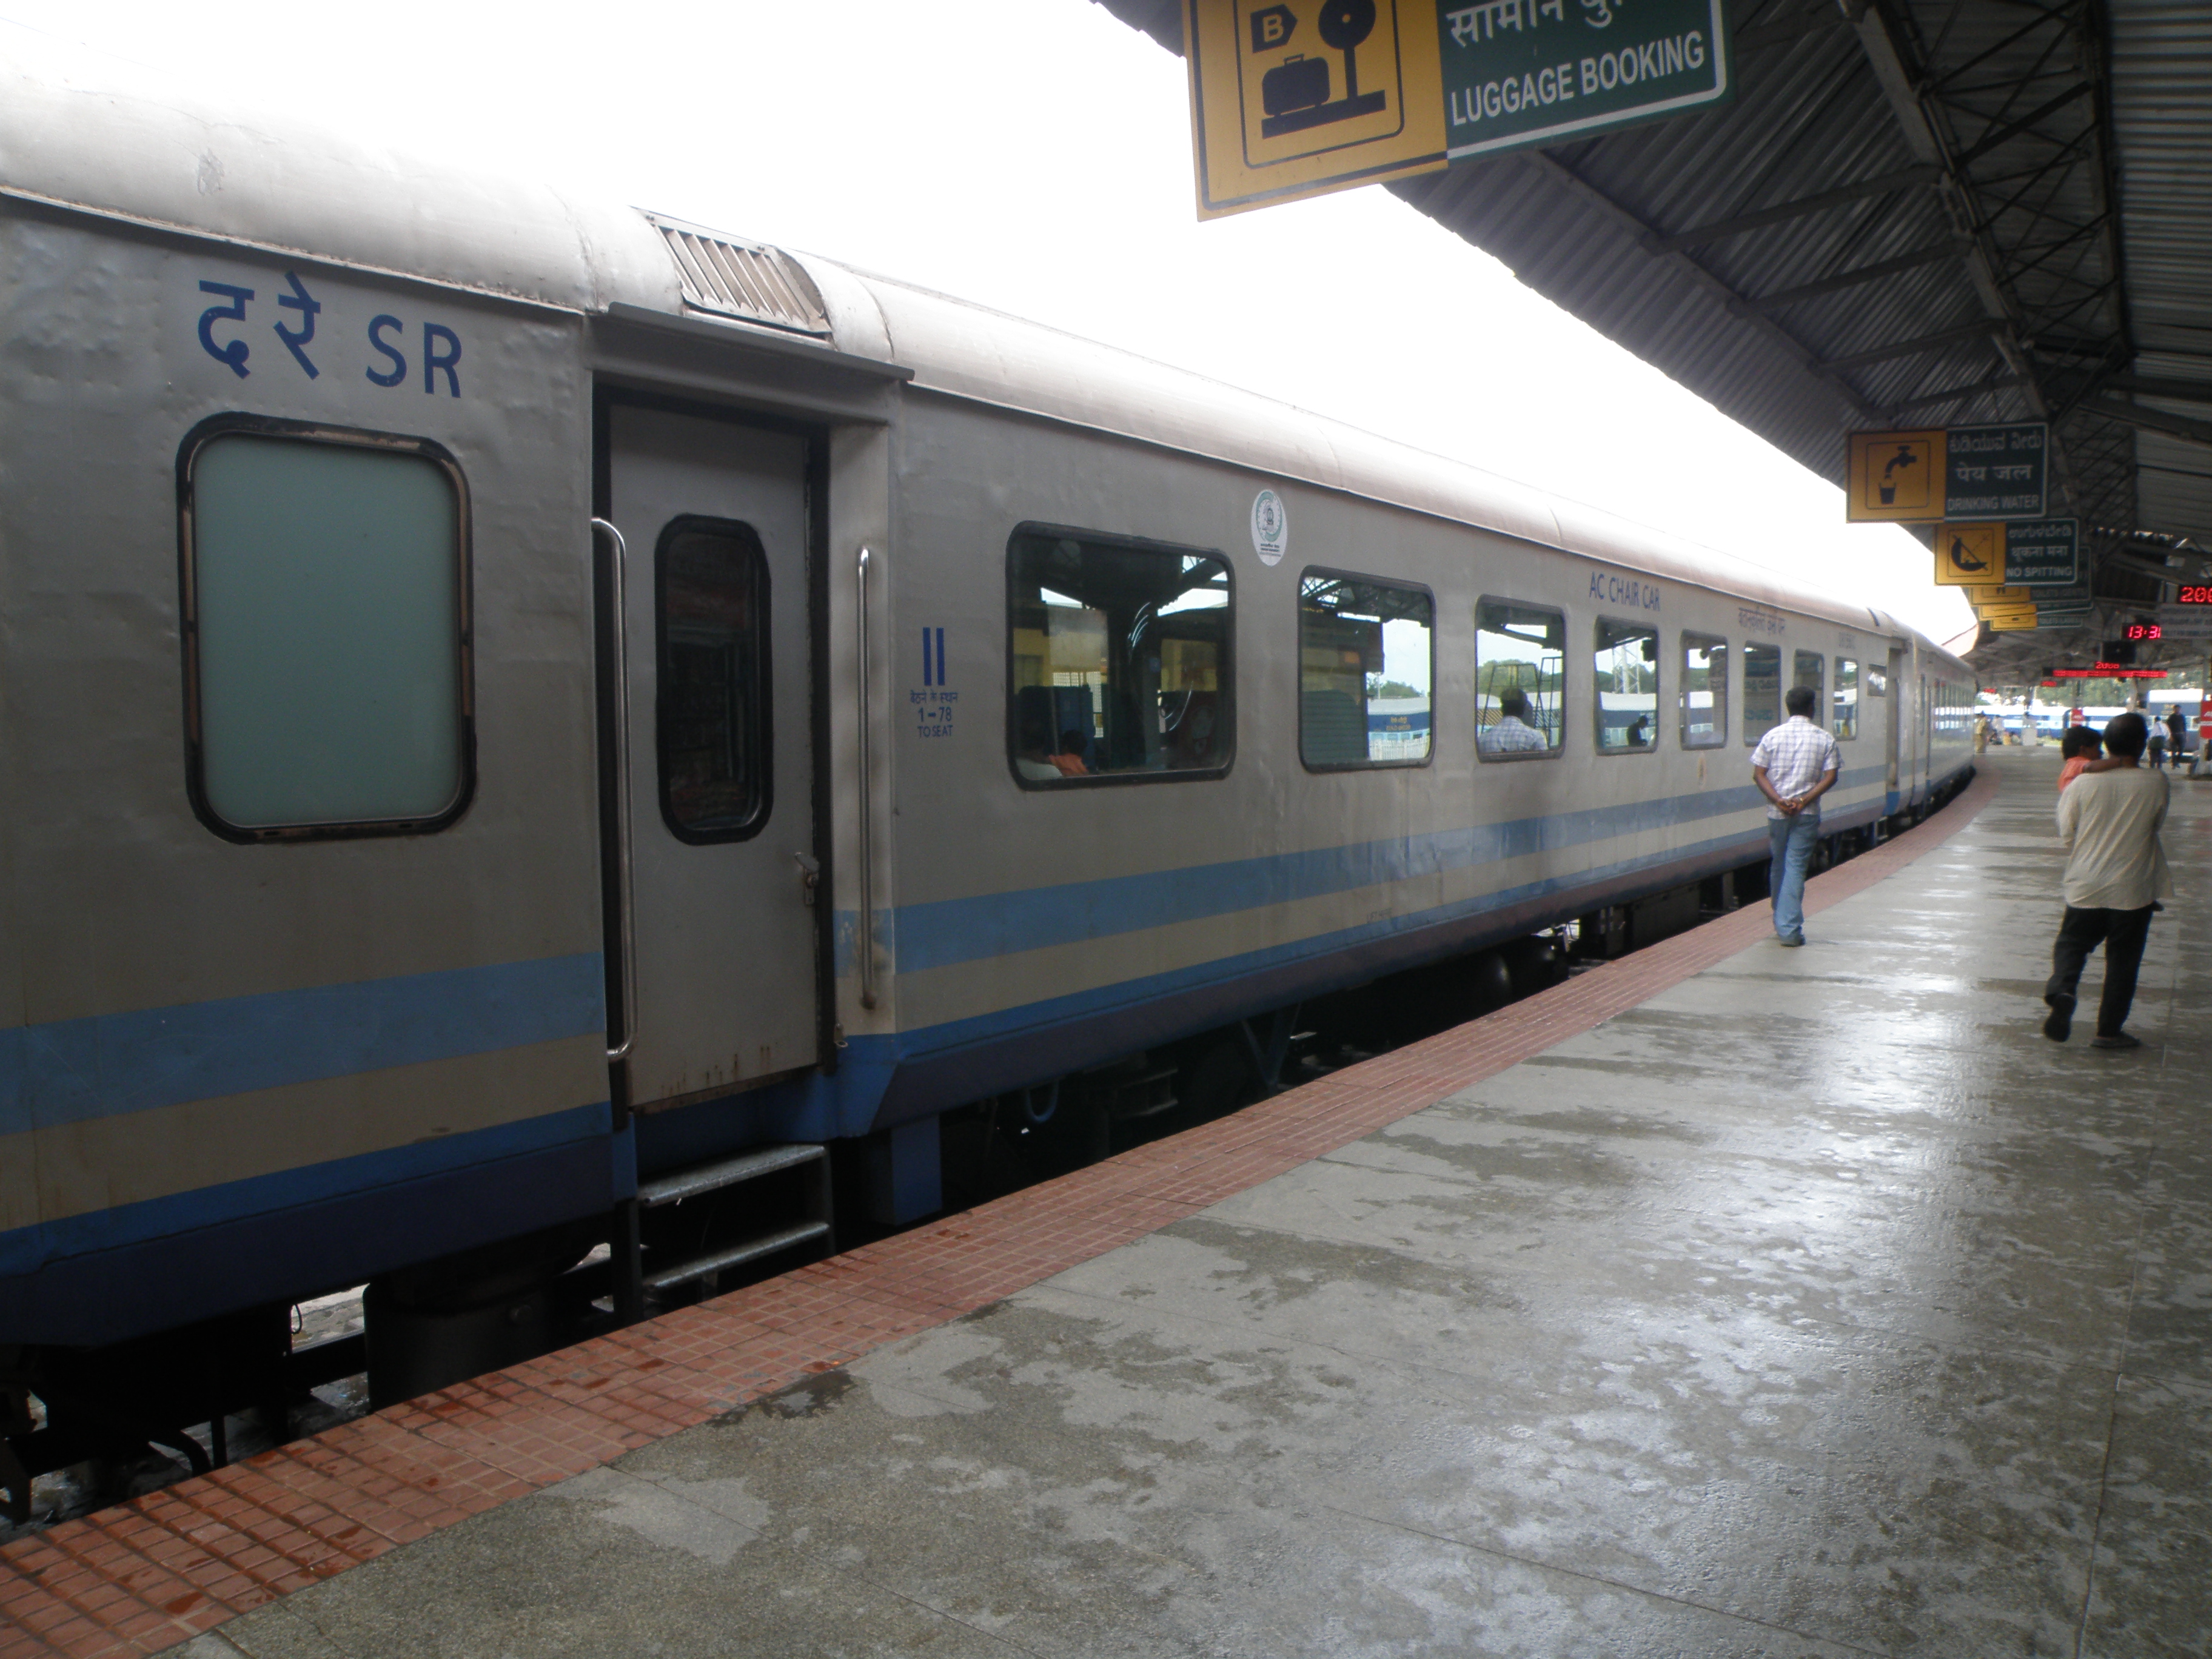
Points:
(1845, 723)
(1365, 654)
(1762, 690)
(1877, 680)
(1624, 682)
(1520, 680)
(1705, 691)
(1119, 659)
(325, 611)
(710, 602)
(1810, 670)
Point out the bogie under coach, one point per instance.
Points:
(525, 722)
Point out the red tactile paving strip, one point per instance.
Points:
(155, 1571)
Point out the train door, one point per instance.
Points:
(1923, 758)
(1893, 722)
(720, 749)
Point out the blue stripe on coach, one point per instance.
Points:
(73, 1070)
(946, 932)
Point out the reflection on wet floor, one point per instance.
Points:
(1819, 1306)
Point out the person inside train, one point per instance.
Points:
(1069, 761)
(1511, 734)
(2078, 747)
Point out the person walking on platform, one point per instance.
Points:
(2116, 873)
(1794, 764)
(2177, 735)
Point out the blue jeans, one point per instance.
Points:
(1789, 846)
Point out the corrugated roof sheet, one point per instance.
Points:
(2030, 236)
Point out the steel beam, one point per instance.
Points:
(1880, 184)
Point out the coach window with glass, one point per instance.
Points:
(1119, 659)
(1520, 680)
(326, 625)
(1845, 722)
(1762, 690)
(1624, 678)
(1704, 691)
(1810, 670)
(1365, 663)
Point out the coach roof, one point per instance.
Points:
(91, 134)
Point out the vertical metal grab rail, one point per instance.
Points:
(618, 641)
(865, 938)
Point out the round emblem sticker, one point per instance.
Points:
(1271, 527)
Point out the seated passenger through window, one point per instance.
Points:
(1120, 651)
(1069, 761)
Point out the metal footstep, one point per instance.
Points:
(722, 1176)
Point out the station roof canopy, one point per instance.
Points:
(1913, 213)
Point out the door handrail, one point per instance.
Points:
(626, 932)
(865, 935)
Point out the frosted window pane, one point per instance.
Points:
(329, 630)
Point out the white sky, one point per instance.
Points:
(1033, 155)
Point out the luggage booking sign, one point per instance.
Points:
(1520, 72)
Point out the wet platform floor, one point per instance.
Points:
(1818, 1305)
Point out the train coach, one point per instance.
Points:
(521, 717)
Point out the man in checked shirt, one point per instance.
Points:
(1795, 764)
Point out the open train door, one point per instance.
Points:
(715, 615)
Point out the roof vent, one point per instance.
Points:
(732, 278)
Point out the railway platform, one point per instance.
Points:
(1725, 1300)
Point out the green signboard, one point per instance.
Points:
(1995, 471)
(1524, 72)
(2043, 553)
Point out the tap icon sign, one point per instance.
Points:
(1906, 456)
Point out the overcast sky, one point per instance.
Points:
(1033, 156)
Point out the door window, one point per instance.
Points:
(710, 586)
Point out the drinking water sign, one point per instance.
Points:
(1293, 98)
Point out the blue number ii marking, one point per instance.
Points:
(932, 669)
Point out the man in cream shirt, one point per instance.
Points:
(2115, 875)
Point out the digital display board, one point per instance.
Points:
(2194, 595)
